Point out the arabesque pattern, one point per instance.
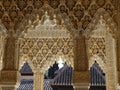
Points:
(12, 12)
(40, 50)
(97, 47)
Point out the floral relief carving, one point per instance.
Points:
(100, 3)
(6, 4)
(63, 9)
(13, 12)
(85, 22)
(29, 9)
(39, 52)
(86, 3)
(21, 4)
(6, 21)
(79, 11)
(70, 4)
(74, 21)
(97, 47)
(109, 9)
(93, 10)
(38, 4)
(75, 8)
(54, 3)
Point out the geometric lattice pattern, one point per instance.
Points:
(97, 46)
(41, 50)
(47, 85)
(26, 84)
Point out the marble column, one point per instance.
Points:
(38, 80)
(81, 80)
(81, 73)
(111, 63)
(9, 73)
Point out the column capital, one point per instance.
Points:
(81, 86)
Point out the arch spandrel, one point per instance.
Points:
(96, 34)
(108, 21)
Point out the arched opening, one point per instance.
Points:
(97, 77)
(26, 77)
(58, 76)
(101, 42)
(43, 43)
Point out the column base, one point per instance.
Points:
(7, 87)
(8, 79)
(81, 86)
(118, 87)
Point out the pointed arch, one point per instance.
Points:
(52, 61)
(110, 24)
(26, 69)
(97, 75)
(23, 60)
(99, 61)
(47, 36)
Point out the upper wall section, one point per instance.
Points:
(79, 12)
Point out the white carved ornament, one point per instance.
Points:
(45, 42)
(46, 28)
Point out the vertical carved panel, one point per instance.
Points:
(81, 61)
(9, 53)
(43, 50)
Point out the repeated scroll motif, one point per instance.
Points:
(45, 49)
(16, 9)
(97, 47)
